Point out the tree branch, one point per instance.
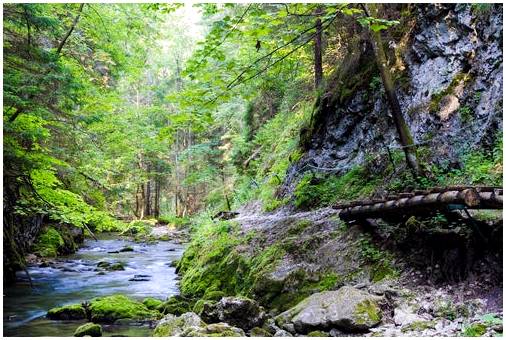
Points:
(74, 24)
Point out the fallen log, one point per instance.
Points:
(423, 202)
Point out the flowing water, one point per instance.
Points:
(73, 279)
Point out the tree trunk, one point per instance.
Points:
(318, 64)
(74, 24)
(147, 202)
(141, 203)
(157, 198)
(402, 127)
(137, 203)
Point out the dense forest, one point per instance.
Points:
(242, 147)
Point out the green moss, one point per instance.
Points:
(114, 307)
(116, 266)
(259, 332)
(299, 227)
(318, 334)
(476, 329)
(49, 243)
(199, 305)
(380, 261)
(214, 295)
(383, 270)
(437, 97)
(151, 303)
(110, 266)
(418, 326)
(445, 309)
(69, 312)
(91, 329)
(176, 305)
(367, 310)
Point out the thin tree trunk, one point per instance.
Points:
(318, 64)
(74, 24)
(402, 127)
(137, 202)
(157, 198)
(141, 203)
(147, 202)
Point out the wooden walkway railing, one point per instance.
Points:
(423, 201)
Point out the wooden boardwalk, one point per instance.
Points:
(424, 201)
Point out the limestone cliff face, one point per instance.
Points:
(447, 62)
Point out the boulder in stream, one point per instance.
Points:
(348, 309)
(69, 312)
(152, 303)
(110, 266)
(115, 307)
(176, 304)
(90, 328)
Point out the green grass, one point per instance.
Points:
(316, 190)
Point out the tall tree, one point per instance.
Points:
(318, 63)
(405, 136)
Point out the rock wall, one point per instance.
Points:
(447, 62)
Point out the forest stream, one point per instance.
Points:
(73, 279)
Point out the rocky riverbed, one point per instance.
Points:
(110, 266)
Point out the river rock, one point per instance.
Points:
(90, 328)
(175, 305)
(403, 316)
(282, 332)
(115, 307)
(259, 332)
(125, 249)
(110, 266)
(348, 309)
(152, 303)
(172, 325)
(240, 312)
(69, 312)
(140, 278)
(220, 329)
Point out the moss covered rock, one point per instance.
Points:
(151, 303)
(201, 304)
(69, 312)
(115, 307)
(348, 309)
(317, 334)
(90, 328)
(172, 325)
(176, 305)
(259, 332)
(190, 324)
(214, 295)
(110, 266)
(476, 329)
(48, 243)
(220, 329)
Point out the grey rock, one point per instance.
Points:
(172, 325)
(221, 329)
(283, 333)
(404, 316)
(240, 312)
(347, 309)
